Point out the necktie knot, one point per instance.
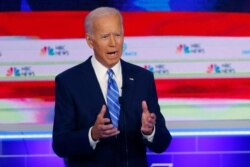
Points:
(110, 73)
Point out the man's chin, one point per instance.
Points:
(112, 63)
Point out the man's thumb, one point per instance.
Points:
(103, 110)
(144, 106)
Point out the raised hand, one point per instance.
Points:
(103, 127)
(148, 120)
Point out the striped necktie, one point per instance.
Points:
(113, 98)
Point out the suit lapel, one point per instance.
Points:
(128, 86)
(93, 85)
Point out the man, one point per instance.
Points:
(86, 131)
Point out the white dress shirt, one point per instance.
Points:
(102, 76)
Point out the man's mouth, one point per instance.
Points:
(112, 53)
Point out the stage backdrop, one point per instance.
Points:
(201, 65)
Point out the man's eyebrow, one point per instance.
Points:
(105, 33)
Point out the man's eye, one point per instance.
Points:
(105, 36)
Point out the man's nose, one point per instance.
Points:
(112, 40)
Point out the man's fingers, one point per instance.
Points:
(153, 117)
(108, 131)
(111, 131)
(105, 121)
(149, 125)
(110, 134)
(107, 127)
(148, 119)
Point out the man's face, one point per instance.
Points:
(107, 39)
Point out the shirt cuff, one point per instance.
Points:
(150, 137)
(91, 141)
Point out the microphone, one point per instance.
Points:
(121, 101)
(124, 126)
(123, 88)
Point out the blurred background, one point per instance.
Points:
(198, 51)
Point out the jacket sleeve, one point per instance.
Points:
(67, 140)
(162, 137)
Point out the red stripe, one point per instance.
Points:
(50, 25)
(229, 88)
(28, 89)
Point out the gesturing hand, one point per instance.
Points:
(102, 127)
(148, 120)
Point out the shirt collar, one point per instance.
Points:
(102, 70)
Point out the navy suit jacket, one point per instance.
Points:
(79, 100)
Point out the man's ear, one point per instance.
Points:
(89, 40)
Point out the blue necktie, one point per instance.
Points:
(113, 99)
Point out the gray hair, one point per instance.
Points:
(99, 12)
